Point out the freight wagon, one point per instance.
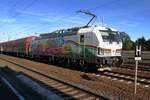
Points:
(18, 47)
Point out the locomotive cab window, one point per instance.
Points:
(81, 38)
(110, 36)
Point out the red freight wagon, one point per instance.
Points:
(18, 47)
(6, 46)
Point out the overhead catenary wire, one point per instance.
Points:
(9, 15)
(27, 27)
(31, 28)
(93, 8)
(18, 14)
(88, 13)
(26, 7)
(103, 5)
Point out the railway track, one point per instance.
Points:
(107, 88)
(60, 87)
(143, 81)
(132, 66)
(129, 62)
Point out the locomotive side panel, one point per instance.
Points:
(69, 46)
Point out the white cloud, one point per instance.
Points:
(37, 14)
(50, 19)
(74, 20)
(7, 20)
(54, 17)
(129, 24)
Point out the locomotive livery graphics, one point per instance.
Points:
(95, 45)
(86, 46)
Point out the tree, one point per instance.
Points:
(141, 41)
(148, 44)
(127, 42)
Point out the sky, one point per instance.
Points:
(22, 18)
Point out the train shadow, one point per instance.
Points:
(24, 90)
(62, 65)
(12, 73)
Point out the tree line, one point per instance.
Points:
(128, 44)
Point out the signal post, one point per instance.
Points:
(138, 54)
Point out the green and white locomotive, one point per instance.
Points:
(89, 46)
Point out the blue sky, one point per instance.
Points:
(21, 18)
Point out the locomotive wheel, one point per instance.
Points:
(83, 65)
(68, 62)
(74, 62)
(120, 61)
(51, 60)
(117, 62)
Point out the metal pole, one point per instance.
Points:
(102, 21)
(136, 68)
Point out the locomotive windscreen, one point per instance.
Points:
(110, 36)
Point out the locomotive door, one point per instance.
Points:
(82, 43)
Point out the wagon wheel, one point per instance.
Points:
(50, 60)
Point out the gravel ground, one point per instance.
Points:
(103, 86)
(145, 74)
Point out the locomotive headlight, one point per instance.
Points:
(100, 51)
(118, 51)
